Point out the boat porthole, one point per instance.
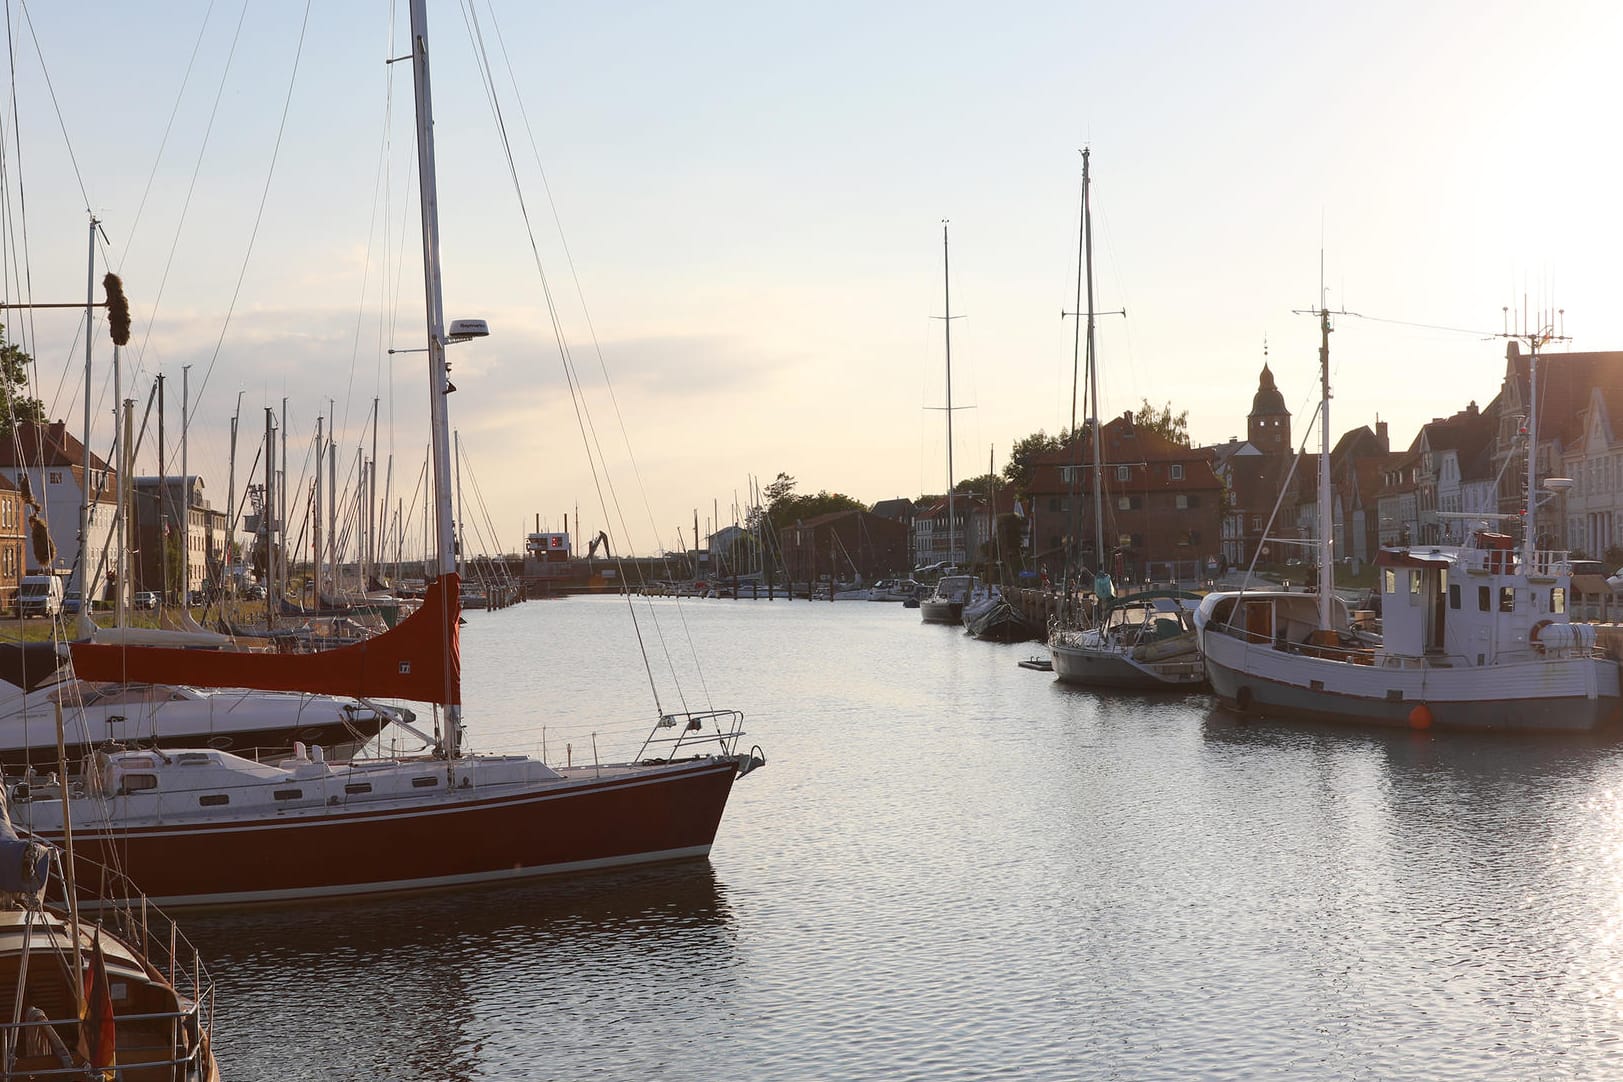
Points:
(219, 743)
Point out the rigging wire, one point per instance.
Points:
(169, 126)
(264, 198)
(604, 484)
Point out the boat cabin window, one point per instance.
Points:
(424, 783)
(1484, 598)
(1389, 581)
(1507, 599)
(193, 758)
(137, 783)
(1453, 595)
(214, 800)
(1558, 599)
(288, 794)
(1414, 582)
(138, 762)
(357, 789)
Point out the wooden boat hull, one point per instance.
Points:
(449, 838)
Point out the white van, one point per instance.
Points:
(39, 595)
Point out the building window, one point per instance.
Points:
(1124, 473)
(1177, 471)
(1181, 502)
(1124, 503)
(55, 477)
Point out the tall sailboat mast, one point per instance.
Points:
(946, 324)
(1101, 566)
(439, 385)
(1327, 546)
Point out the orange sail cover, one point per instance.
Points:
(417, 659)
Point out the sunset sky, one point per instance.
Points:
(752, 199)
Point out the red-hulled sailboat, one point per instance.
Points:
(208, 827)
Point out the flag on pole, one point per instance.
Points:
(98, 1034)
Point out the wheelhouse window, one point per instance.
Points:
(1484, 598)
(1558, 599)
(1507, 599)
(1454, 595)
(1389, 581)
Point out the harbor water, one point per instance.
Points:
(956, 868)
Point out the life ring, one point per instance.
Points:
(1533, 634)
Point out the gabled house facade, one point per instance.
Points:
(46, 462)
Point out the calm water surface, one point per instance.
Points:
(956, 868)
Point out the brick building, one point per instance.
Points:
(1163, 505)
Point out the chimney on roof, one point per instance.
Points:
(1471, 409)
(1381, 437)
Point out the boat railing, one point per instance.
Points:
(692, 729)
(1546, 563)
(107, 896)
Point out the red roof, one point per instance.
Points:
(34, 445)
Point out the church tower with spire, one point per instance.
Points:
(1268, 426)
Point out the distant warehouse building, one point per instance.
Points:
(843, 545)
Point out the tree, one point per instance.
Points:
(1174, 427)
(1018, 471)
(977, 486)
(15, 405)
(784, 506)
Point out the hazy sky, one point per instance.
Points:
(752, 196)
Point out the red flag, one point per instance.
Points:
(98, 1035)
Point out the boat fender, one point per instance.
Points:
(1420, 717)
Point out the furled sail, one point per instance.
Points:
(417, 659)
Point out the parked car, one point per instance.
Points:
(146, 599)
(39, 595)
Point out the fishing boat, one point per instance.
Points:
(1474, 636)
(202, 826)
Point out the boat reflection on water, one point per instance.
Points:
(435, 985)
